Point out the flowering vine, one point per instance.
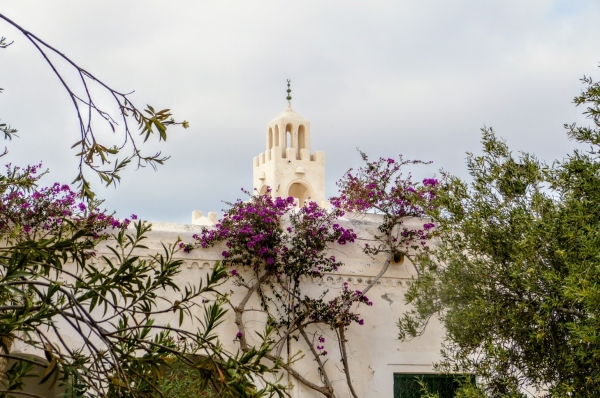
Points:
(255, 235)
(382, 187)
(337, 312)
(279, 244)
(28, 212)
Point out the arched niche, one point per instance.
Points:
(299, 191)
(263, 190)
(289, 141)
(270, 139)
(301, 139)
(276, 135)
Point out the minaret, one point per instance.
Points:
(287, 166)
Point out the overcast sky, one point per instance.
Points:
(417, 77)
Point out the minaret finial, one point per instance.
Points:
(289, 90)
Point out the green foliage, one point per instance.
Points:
(182, 381)
(434, 385)
(7, 131)
(197, 376)
(514, 279)
(97, 324)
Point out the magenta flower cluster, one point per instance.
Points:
(321, 346)
(339, 310)
(382, 187)
(29, 212)
(271, 234)
(283, 243)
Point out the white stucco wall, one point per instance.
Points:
(374, 351)
(375, 354)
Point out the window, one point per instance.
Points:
(408, 386)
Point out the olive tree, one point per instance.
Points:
(514, 277)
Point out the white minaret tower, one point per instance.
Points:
(287, 166)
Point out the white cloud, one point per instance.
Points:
(412, 77)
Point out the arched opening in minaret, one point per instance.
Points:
(289, 143)
(263, 190)
(301, 139)
(276, 135)
(270, 138)
(299, 191)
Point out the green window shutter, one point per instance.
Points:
(407, 385)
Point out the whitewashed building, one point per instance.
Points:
(378, 361)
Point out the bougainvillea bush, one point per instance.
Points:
(383, 187)
(281, 247)
(94, 318)
(31, 213)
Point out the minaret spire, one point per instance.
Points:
(289, 90)
(288, 166)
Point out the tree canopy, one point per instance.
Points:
(514, 278)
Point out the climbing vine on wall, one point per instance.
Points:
(280, 245)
